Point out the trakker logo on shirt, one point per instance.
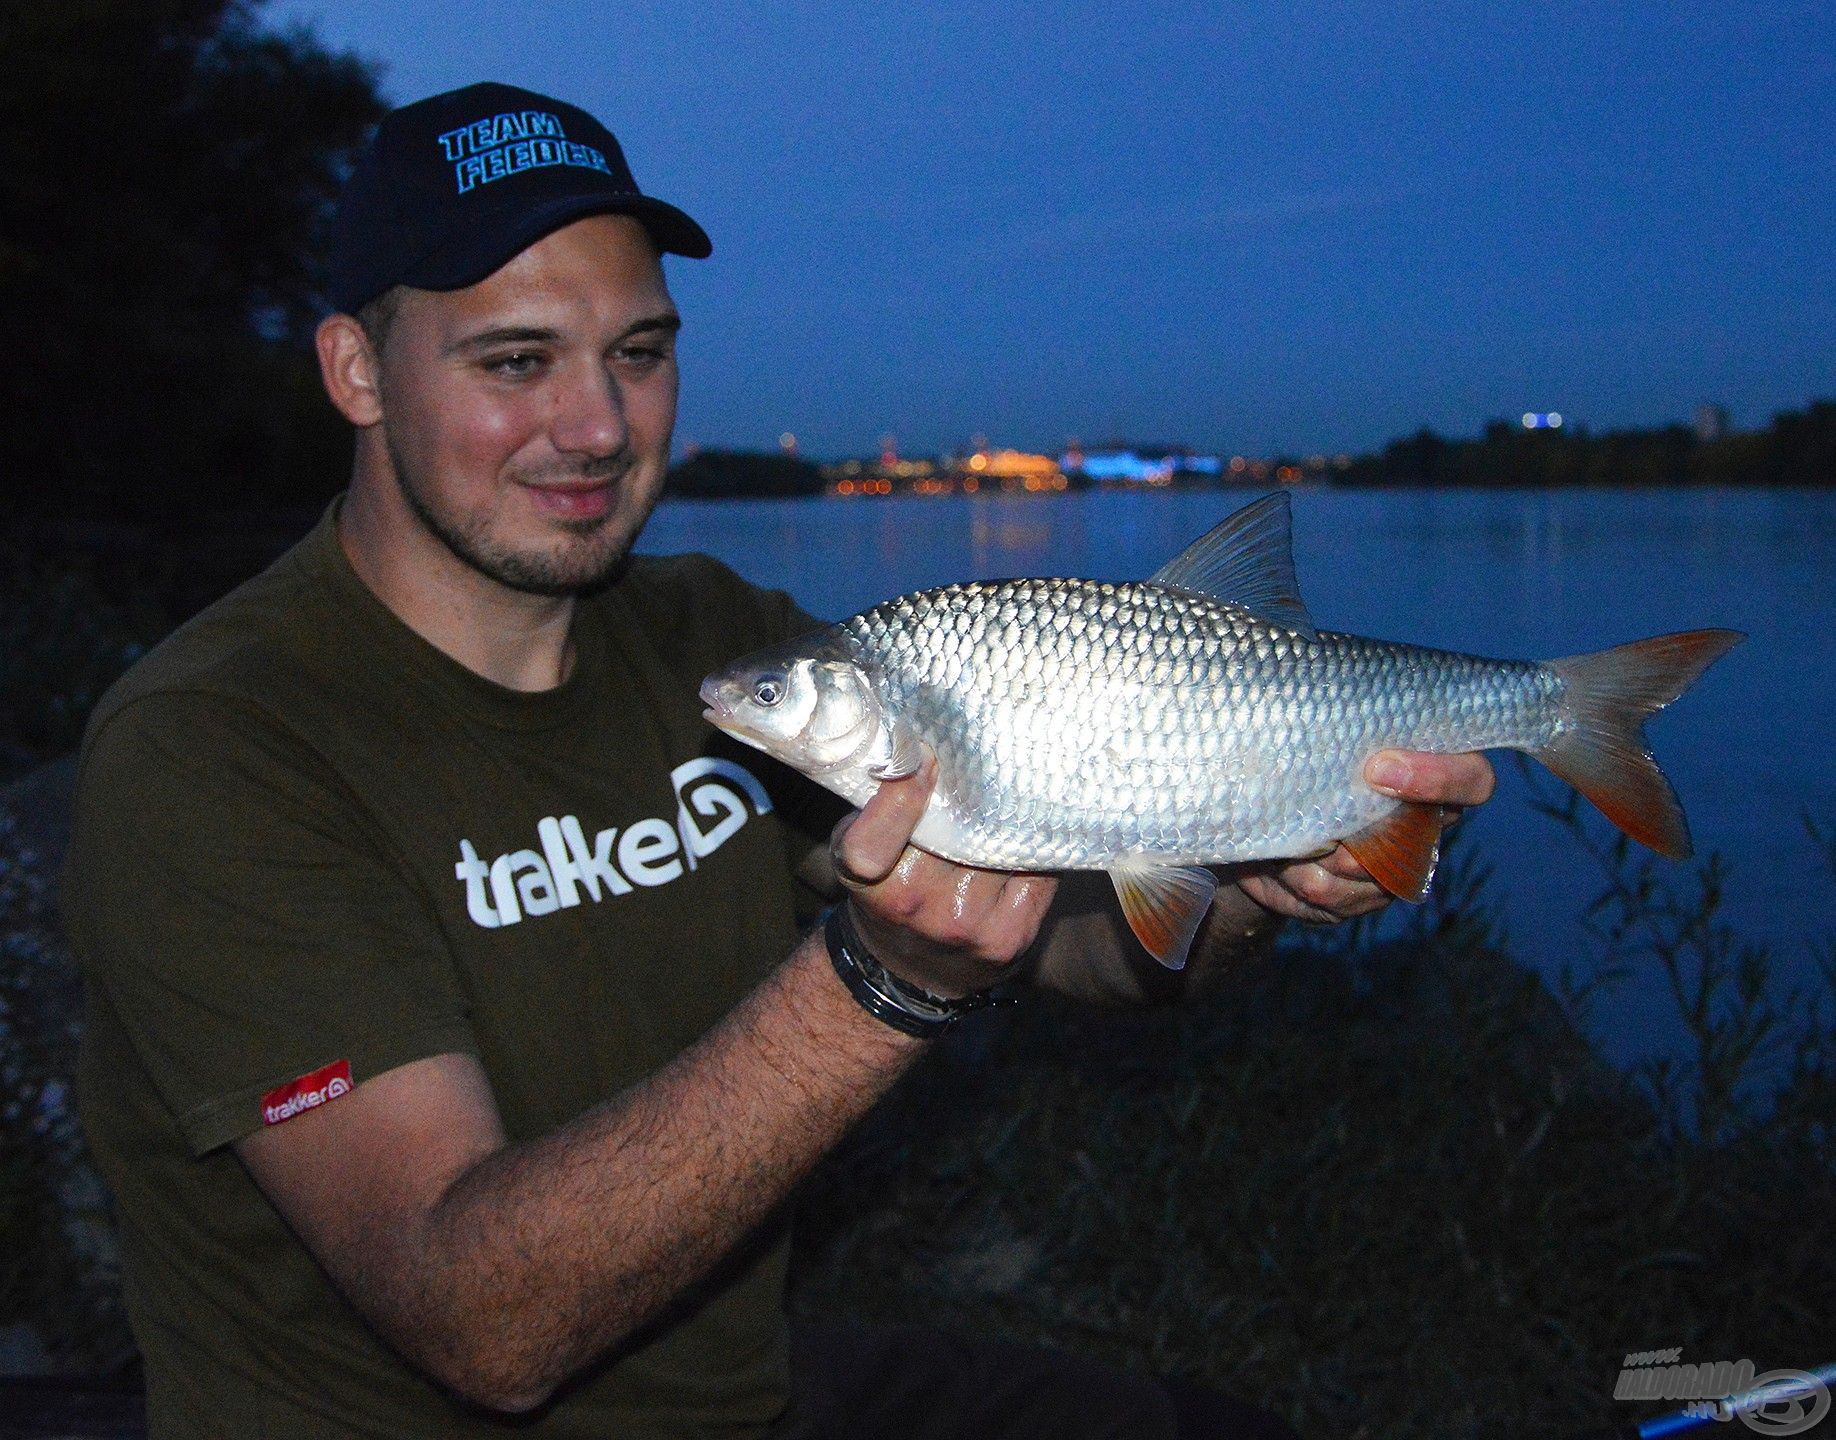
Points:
(306, 1092)
(614, 862)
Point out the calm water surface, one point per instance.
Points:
(1517, 573)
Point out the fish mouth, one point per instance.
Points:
(719, 696)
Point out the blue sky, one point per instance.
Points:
(1248, 227)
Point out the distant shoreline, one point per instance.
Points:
(1796, 450)
(1250, 488)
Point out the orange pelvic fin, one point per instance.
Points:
(1601, 748)
(1163, 904)
(1401, 850)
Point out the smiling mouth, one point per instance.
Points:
(574, 499)
(569, 487)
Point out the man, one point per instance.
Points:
(452, 1043)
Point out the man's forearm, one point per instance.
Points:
(547, 1253)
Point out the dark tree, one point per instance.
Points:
(165, 170)
(1798, 448)
(728, 474)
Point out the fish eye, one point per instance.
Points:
(768, 689)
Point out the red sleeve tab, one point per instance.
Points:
(296, 1096)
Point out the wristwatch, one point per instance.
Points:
(883, 995)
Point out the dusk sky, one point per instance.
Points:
(1253, 228)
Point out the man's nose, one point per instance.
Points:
(590, 417)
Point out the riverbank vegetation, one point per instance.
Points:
(1796, 448)
(1386, 1188)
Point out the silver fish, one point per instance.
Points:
(1192, 719)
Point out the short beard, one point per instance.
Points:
(537, 574)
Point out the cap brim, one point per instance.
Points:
(490, 246)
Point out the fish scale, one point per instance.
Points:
(1116, 719)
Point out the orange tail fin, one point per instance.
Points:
(1601, 750)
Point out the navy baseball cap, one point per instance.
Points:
(454, 186)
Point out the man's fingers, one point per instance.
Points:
(1342, 863)
(867, 846)
(1431, 779)
(991, 911)
(1018, 910)
(1321, 892)
(1335, 886)
(1267, 891)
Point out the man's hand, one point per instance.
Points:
(948, 928)
(1336, 887)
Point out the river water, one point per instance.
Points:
(1751, 750)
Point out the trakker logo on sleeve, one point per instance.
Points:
(306, 1093)
(614, 862)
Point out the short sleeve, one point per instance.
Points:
(241, 918)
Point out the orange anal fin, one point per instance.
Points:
(1163, 904)
(1401, 849)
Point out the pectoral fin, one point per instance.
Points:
(905, 756)
(1401, 850)
(1163, 904)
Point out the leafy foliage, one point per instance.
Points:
(57, 1253)
(1797, 448)
(64, 642)
(720, 474)
(157, 234)
(1384, 1188)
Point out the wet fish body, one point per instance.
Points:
(1076, 723)
(1196, 718)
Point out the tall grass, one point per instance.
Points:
(1383, 1186)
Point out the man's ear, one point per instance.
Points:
(349, 369)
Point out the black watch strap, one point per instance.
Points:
(886, 997)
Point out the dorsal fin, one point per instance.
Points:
(1246, 560)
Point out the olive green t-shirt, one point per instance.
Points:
(310, 847)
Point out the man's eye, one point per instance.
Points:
(515, 366)
(641, 357)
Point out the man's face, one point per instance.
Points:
(528, 417)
